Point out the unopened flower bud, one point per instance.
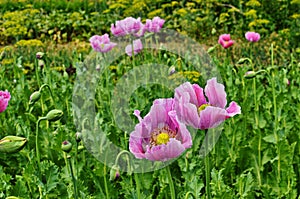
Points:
(243, 60)
(12, 144)
(35, 96)
(78, 136)
(54, 115)
(114, 173)
(250, 74)
(172, 70)
(39, 55)
(66, 146)
(287, 81)
(211, 49)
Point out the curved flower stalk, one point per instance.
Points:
(193, 109)
(102, 43)
(160, 136)
(137, 47)
(252, 36)
(4, 99)
(127, 26)
(154, 25)
(225, 41)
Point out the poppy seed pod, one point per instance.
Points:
(66, 146)
(54, 115)
(12, 144)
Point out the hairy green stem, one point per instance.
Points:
(207, 168)
(189, 193)
(171, 184)
(37, 144)
(73, 177)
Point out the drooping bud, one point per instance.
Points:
(66, 146)
(12, 144)
(243, 60)
(114, 173)
(35, 96)
(250, 74)
(54, 115)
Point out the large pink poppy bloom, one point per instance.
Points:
(225, 41)
(4, 99)
(193, 109)
(101, 43)
(127, 26)
(252, 36)
(154, 25)
(160, 136)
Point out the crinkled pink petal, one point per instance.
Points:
(211, 117)
(4, 99)
(233, 109)
(215, 93)
(165, 152)
(186, 111)
(188, 88)
(199, 94)
(252, 36)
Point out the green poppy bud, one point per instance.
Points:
(66, 146)
(243, 60)
(250, 74)
(12, 144)
(54, 115)
(114, 173)
(35, 96)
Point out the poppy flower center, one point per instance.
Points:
(161, 136)
(202, 107)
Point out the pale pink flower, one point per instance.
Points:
(252, 36)
(128, 26)
(101, 43)
(154, 25)
(137, 47)
(193, 109)
(160, 136)
(4, 99)
(225, 40)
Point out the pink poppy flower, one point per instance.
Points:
(101, 43)
(4, 99)
(193, 109)
(252, 36)
(225, 41)
(128, 26)
(160, 136)
(137, 47)
(154, 25)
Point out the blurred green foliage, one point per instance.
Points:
(63, 21)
